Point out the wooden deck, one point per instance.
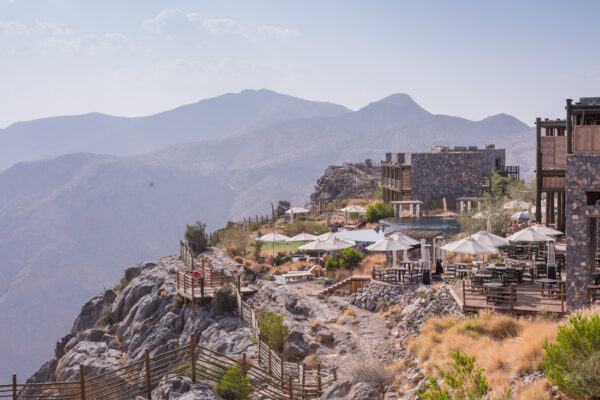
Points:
(354, 283)
(525, 298)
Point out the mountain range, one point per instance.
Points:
(120, 190)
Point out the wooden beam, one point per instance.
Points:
(538, 171)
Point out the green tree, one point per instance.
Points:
(332, 264)
(573, 362)
(196, 237)
(273, 330)
(282, 207)
(463, 380)
(379, 211)
(234, 385)
(349, 258)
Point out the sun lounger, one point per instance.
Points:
(300, 274)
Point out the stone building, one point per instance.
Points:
(444, 178)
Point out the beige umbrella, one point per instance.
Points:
(528, 235)
(296, 210)
(469, 246)
(302, 237)
(489, 239)
(544, 230)
(351, 209)
(273, 237)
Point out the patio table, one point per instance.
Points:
(399, 273)
(462, 272)
(550, 283)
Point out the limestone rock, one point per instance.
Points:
(345, 390)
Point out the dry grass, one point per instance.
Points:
(340, 274)
(371, 260)
(348, 312)
(163, 294)
(312, 360)
(503, 345)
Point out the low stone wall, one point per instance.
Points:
(376, 297)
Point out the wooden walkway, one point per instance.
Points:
(525, 298)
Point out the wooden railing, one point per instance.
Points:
(519, 298)
(273, 361)
(143, 376)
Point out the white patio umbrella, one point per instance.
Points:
(350, 209)
(388, 243)
(469, 246)
(406, 239)
(302, 237)
(528, 235)
(273, 237)
(516, 205)
(328, 245)
(296, 210)
(489, 239)
(544, 230)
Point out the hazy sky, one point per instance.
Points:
(466, 58)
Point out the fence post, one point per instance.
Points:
(259, 351)
(270, 371)
(202, 289)
(281, 370)
(303, 380)
(319, 379)
(512, 293)
(464, 294)
(14, 387)
(82, 382)
(245, 364)
(334, 374)
(291, 389)
(148, 380)
(193, 296)
(193, 356)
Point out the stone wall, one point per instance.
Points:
(583, 173)
(451, 175)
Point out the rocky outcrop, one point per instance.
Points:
(348, 181)
(174, 387)
(114, 329)
(377, 297)
(345, 390)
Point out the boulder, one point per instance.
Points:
(294, 346)
(345, 390)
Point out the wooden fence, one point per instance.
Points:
(143, 376)
(522, 298)
(274, 363)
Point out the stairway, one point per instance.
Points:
(348, 281)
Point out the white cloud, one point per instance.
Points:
(219, 26)
(159, 24)
(54, 29)
(13, 28)
(268, 30)
(86, 43)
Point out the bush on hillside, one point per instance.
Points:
(224, 301)
(332, 264)
(364, 367)
(255, 226)
(273, 330)
(235, 240)
(256, 249)
(349, 258)
(573, 362)
(379, 211)
(234, 385)
(463, 379)
(196, 237)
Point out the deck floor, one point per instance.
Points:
(527, 302)
(208, 293)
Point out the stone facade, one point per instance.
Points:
(582, 175)
(453, 174)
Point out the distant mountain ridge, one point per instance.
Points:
(69, 224)
(211, 119)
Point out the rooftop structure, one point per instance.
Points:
(443, 176)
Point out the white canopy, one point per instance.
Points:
(544, 230)
(489, 239)
(326, 236)
(516, 205)
(297, 210)
(469, 246)
(399, 236)
(528, 235)
(353, 208)
(327, 245)
(388, 244)
(273, 237)
(302, 237)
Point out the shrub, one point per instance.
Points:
(235, 239)
(349, 258)
(177, 301)
(257, 248)
(463, 380)
(255, 226)
(378, 193)
(233, 385)
(364, 367)
(379, 211)
(121, 285)
(331, 265)
(224, 300)
(573, 362)
(282, 207)
(273, 330)
(196, 237)
(107, 315)
(238, 260)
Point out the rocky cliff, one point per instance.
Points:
(143, 312)
(346, 181)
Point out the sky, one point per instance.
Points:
(138, 57)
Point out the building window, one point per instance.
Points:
(592, 198)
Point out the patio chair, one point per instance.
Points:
(300, 274)
(511, 276)
(413, 277)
